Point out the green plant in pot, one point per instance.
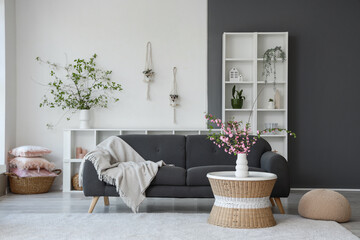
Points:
(238, 99)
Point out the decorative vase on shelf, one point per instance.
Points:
(277, 99)
(84, 117)
(242, 169)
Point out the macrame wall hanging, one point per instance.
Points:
(174, 97)
(148, 72)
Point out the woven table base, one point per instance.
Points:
(241, 218)
(242, 204)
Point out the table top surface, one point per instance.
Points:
(253, 176)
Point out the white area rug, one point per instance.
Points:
(167, 226)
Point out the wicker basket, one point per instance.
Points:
(75, 182)
(31, 185)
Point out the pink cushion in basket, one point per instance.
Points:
(23, 163)
(29, 151)
(32, 173)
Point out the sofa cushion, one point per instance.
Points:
(170, 176)
(169, 148)
(196, 176)
(200, 151)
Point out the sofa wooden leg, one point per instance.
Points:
(272, 202)
(280, 206)
(106, 201)
(93, 204)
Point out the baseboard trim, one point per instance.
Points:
(335, 189)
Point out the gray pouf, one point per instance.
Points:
(323, 204)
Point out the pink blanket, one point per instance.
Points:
(32, 173)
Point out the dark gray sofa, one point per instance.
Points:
(193, 156)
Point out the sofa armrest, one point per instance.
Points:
(92, 186)
(277, 164)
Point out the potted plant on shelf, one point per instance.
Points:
(271, 104)
(236, 139)
(238, 99)
(82, 87)
(271, 56)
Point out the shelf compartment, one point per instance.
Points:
(83, 139)
(248, 93)
(238, 116)
(239, 46)
(266, 41)
(277, 144)
(267, 93)
(244, 68)
(271, 117)
(280, 73)
(74, 170)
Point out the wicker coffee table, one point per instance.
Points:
(242, 202)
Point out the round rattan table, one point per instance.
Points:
(242, 202)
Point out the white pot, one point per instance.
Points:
(271, 105)
(242, 170)
(84, 117)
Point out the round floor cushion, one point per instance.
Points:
(323, 204)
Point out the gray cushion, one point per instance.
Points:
(170, 176)
(196, 176)
(200, 151)
(169, 148)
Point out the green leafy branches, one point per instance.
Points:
(84, 86)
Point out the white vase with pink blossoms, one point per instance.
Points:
(235, 138)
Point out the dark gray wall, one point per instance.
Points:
(324, 80)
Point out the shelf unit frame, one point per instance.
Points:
(256, 82)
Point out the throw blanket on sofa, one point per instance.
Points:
(118, 164)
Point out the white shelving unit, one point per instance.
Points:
(244, 51)
(89, 138)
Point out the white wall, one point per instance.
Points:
(10, 52)
(117, 30)
(7, 78)
(2, 82)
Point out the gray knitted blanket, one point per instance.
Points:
(118, 164)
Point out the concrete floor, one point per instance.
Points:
(58, 202)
